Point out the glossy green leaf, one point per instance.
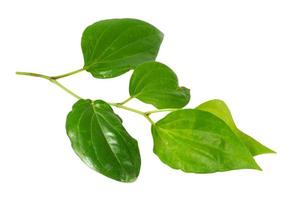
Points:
(113, 47)
(198, 141)
(100, 140)
(157, 84)
(220, 109)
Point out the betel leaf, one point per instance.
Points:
(113, 47)
(198, 141)
(100, 140)
(157, 84)
(220, 109)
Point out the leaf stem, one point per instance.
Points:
(51, 80)
(161, 110)
(126, 101)
(149, 119)
(119, 105)
(68, 74)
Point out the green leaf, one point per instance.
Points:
(100, 140)
(113, 47)
(220, 109)
(198, 141)
(157, 84)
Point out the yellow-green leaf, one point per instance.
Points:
(197, 141)
(220, 109)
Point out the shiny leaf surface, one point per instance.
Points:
(198, 141)
(220, 109)
(113, 47)
(100, 140)
(157, 84)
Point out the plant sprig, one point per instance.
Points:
(200, 140)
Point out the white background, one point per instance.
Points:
(238, 51)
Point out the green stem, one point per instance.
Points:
(51, 80)
(118, 105)
(162, 110)
(149, 119)
(67, 74)
(126, 101)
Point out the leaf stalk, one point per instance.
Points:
(67, 74)
(126, 101)
(162, 110)
(119, 105)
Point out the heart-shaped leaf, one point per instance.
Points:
(113, 47)
(198, 141)
(157, 84)
(100, 140)
(220, 109)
